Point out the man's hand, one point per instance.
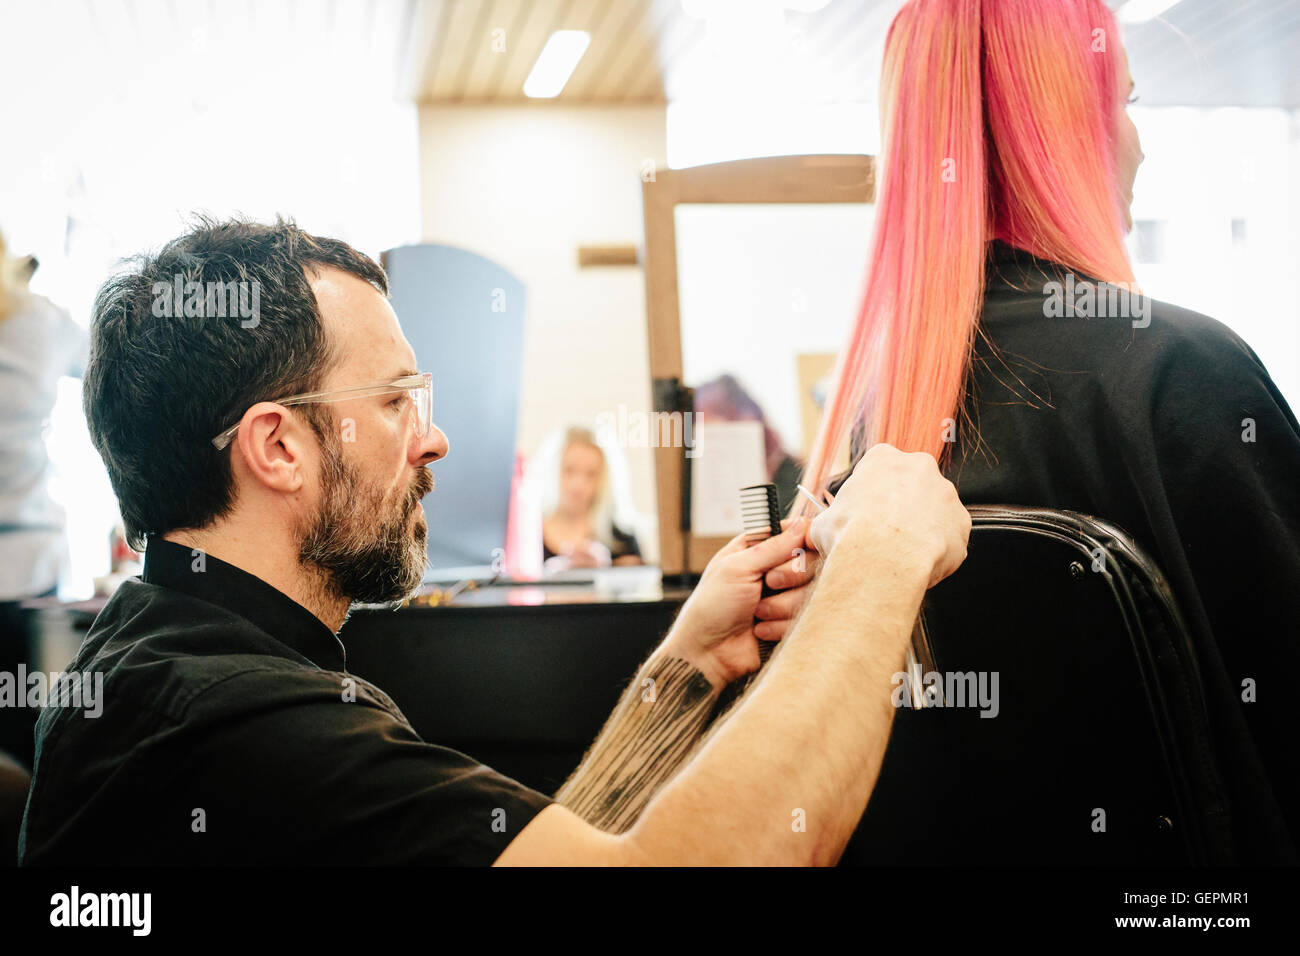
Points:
(716, 630)
(898, 505)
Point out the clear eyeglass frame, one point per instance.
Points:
(419, 386)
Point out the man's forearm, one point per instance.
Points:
(752, 793)
(658, 721)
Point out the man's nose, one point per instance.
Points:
(432, 446)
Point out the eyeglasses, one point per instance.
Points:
(419, 399)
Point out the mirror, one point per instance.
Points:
(753, 272)
(767, 296)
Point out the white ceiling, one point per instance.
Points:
(1201, 52)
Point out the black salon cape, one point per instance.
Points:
(1144, 427)
(230, 732)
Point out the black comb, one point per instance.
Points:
(761, 518)
(760, 514)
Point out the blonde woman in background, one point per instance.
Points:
(578, 529)
(39, 343)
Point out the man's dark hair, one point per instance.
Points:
(162, 381)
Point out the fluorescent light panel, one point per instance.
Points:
(1140, 11)
(556, 63)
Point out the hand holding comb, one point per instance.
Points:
(761, 519)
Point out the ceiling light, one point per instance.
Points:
(556, 63)
(1140, 11)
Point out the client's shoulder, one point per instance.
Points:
(1167, 340)
(1070, 322)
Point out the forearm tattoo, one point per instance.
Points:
(734, 692)
(652, 731)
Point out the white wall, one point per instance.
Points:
(1203, 169)
(525, 186)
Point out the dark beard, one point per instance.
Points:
(364, 553)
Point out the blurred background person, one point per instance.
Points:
(39, 343)
(579, 529)
(724, 399)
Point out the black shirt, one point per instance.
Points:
(1143, 427)
(231, 732)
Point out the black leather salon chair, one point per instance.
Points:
(1099, 752)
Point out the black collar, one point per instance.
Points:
(1008, 267)
(175, 566)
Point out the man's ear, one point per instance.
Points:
(275, 446)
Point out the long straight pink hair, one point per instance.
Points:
(999, 121)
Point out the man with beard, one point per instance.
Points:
(271, 465)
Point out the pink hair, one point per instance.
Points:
(999, 120)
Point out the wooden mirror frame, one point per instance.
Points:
(774, 179)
